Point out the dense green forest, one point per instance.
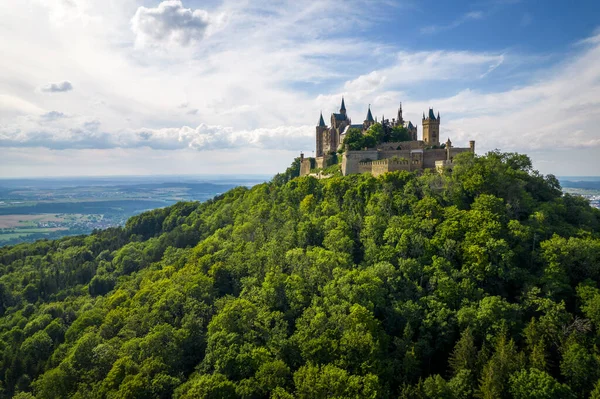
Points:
(481, 283)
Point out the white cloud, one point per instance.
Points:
(52, 115)
(559, 112)
(59, 87)
(469, 16)
(170, 23)
(13, 106)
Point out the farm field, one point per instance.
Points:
(9, 221)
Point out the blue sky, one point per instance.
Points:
(91, 87)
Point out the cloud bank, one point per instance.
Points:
(89, 135)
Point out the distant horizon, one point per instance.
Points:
(226, 175)
(233, 176)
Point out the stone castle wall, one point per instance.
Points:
(432, 155)
(365, 167)
(404, 145)
(388, 165)
(387, 160)
(304, 167)
(351, 159)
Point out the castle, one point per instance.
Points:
(383, 156)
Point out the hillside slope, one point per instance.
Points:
(483, 283)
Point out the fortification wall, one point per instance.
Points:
(396, 153)
(381, 163)
(365, 167)
(388, 165)
(305, 167)
(432, 155)
(454, 151)
(351, 159)
(319, 162)
(404, 145)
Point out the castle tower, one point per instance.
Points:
(321, 129)
(412, 129)
(369, 121)
(448, 150)
(400, 119)
(343, 107)
(431, 128)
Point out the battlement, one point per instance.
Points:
(391, 161)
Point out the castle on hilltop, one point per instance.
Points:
(385, 155)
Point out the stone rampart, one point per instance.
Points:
(351, 159)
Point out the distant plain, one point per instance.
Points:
(32, 209)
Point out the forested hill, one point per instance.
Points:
(483, 284)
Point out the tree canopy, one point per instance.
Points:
(479, 283)
(377, 133)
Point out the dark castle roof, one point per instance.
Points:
(370, 116)
(339, 117)
(321, 121)
(410, 125)
(432, 115)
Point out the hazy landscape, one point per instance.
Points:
(32, 209)
(585, 186)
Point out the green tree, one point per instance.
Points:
(537, 384)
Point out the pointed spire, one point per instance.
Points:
(343, 107)
(423, 114)
(431, 114)
(438, 115)
(400, 118)
(370, 115)
(321, 121)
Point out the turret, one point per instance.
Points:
(343, 107)
(448, 148)
(321, 121)
(412, 129)
(400, 119)
(320, 135)
(431, 128)
(370, 115)
(369, 120)
(472, 146)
